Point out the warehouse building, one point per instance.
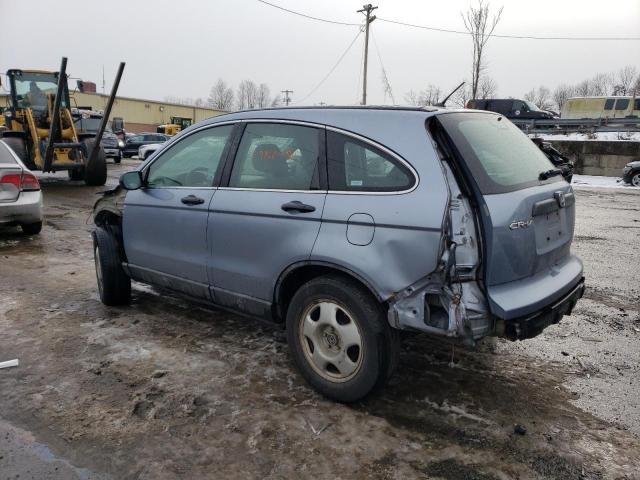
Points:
(139, 115)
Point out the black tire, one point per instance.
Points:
(377, 356)
(114, 286)
(18, 146)
(95, 173)
(31, 228)
(117, 159)
(76, 173)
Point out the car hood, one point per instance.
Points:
(634, 164)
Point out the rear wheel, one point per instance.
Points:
(18, 146)
(117, 159)
(114, 285)
(340, 339)
(95, 172)
(31, 228)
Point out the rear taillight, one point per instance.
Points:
(30, 183)
(24, 182)
(14, 179)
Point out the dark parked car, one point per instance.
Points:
(631, 173)
(346, 225)
(133, 143)
(89, 122)
(558, 159)
(512, 108)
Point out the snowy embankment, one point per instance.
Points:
(600, 182)
(590, 137)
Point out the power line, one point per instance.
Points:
(309, 16)
(522, 37)
(332, 68)
(446, 30)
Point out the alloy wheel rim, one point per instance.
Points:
(635, 180)
(331, 341)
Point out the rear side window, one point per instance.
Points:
(500, 157)
(622, 103)
(636, 105)
(608, 105)
(357, 166)
(277, 156)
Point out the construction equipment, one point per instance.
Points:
(40, 128)
(176, 126)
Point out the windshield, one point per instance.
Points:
(90, 124)
(532, 107)
(33, 90)
(501, 158)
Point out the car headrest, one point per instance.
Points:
(268, 158)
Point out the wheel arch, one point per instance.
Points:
(301, 272)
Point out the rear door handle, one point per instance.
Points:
(192, 200)
(297, 206)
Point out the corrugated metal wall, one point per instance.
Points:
(139, 115)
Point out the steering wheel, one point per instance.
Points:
(198, 177)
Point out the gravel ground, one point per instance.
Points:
(167, 389)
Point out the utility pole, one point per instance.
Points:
(286, 96)
(366, 9)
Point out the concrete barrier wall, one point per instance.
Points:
(598, 157)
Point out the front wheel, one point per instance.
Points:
(117, 159)
(340, 339)
(95, 172)
(31, 228)
(635, 179)
(114, 286)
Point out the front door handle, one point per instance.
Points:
(192, 200)
(297, 206)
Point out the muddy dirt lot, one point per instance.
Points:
(167, 389)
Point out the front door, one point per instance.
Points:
(268, 216)
(165, 222)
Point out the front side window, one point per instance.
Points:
(622, 103)
(191, 162)
(608, 104)
(136, 139)
(277, 156)
(500, 157)
(357, 166)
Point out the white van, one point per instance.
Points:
(600, 107)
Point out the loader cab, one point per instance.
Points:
(35, 90)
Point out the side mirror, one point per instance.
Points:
(131, 180)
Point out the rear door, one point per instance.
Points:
(268, 216)
(165, 222)
(527, 219)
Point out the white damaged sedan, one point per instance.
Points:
(20, 194)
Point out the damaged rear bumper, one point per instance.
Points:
(532, 325)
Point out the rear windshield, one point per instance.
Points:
(5, 154)
(501, 158)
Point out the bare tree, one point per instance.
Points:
(624, 80)
(583, 89)
(601, 85)
(429, 96)
(246, 95)
(476, 22)
(530, 96)
(412, 98)
(487, 88)
(262, 96)
(561, 94)
(462, 96)
(277, 100)
(221, 96)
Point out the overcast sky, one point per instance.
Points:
(181, 47)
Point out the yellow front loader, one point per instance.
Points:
(39, 127)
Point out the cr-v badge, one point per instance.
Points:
(520, 224)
